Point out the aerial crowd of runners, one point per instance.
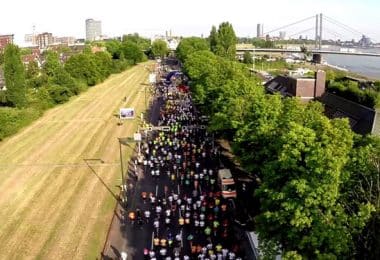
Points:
(191, 219)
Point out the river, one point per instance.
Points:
(366, 66)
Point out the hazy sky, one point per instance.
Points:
(195, 17)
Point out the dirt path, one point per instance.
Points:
(52, 204)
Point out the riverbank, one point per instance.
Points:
(367, 67)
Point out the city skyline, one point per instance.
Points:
(195, 19)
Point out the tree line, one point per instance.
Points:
(319, 192)
(31, 89)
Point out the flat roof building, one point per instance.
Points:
(93, 30)
(45, 39)
(305, 88)
(5, 40)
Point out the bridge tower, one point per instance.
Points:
(320, 31)
(316, 31)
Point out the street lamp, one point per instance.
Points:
(123, 141)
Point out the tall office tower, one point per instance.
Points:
(260, 30)
(259, 33)
(93, 30)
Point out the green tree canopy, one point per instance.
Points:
(247, 57)
(299, 157)
(213, 39)
(132, 52)
(83, 67)
(160, 48)
(142, 43)
(362, 187)
(225, 41)
(52, 63)
(32, 70)
(14, 74)
(261, 43)
(190, 45)
(114, 47)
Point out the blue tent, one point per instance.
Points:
(171, 74)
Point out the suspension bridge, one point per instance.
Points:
(323, 26)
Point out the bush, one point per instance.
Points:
(13, 119)
(119, 66)
(40, 99)
(59, 94)
(38, 81)
(351, 91)
(83, 67)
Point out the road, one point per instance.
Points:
(192, 176)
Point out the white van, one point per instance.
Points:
(226, 183)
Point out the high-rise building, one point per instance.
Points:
(30, 38)
(93, 30)
(260, 30)
(65, 40)
(365, 41)
(45, 39)
(5, 40)
(282, 35)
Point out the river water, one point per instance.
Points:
(366, 66)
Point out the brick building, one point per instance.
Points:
(293, 86)
(5, 40)
(43, 40)
(363, 120)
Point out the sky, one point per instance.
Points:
(186, 18)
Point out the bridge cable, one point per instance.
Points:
(312, 28)
(355, 32)
(283, 27)
(346, 27)
(334, 33)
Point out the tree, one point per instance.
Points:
(59, 94)
(132, 52)
(247, 57)
(213, 39)
(32, 70)
(52, 63)
(83, 67)
(363, 187)
(190, 45)
(300, 183)
(201, 66)
(103, 63)
(63, 78)
(143, 43)
(114, 47)
(226, 41)
(14, 74)
(261, 43)
(160, 48)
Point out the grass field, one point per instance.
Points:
(52, 206)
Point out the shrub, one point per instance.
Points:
(59, 94)
(13, 119)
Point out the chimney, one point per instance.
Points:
(320, 83)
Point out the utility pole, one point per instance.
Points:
(253, 59)
(121, 164)
(320, 31)
(316, 31)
